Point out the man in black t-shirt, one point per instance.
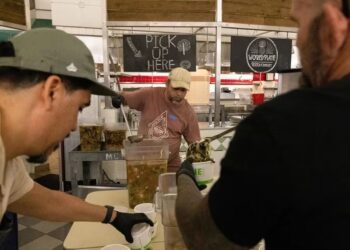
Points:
(286, 175)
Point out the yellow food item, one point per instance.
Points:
(114, 139)
(199, 151)
(90, 137)
(143, 179)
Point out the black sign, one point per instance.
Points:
(144, 53)
(259, 54)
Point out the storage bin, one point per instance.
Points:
(114, 134)
(145, 161)
(168, 192)
(90, 137)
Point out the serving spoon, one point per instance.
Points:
(132, 138)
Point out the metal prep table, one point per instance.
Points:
(83, 159)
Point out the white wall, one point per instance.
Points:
(95, 45)
(43, 4)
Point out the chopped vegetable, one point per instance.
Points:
(143, 179)
(114, 139)
(199, 151)
(90, 137)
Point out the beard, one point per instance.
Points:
(304, 81)
(43, 157)
(176, 100)
(313, 60)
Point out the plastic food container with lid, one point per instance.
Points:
(145, 161)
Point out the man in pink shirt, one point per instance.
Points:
(165, 113)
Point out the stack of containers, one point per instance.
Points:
(167, 197)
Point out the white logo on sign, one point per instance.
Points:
(186, 64)
(71, 68)
(262, 55)
(183, 45)
(158, 127)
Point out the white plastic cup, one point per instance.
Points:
(148, 209)
(154, 230)
(142, 236)
(115, 247)
(204, 172)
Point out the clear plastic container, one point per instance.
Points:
(114, 134)
(173, 239)
(145, 161)
(168, 192)
(90, 137)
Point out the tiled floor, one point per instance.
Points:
(36, 234)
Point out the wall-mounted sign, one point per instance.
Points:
(161, 53)
(260, 54)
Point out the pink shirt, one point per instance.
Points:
(163, 119)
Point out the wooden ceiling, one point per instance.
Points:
(161, 10)
(12, 11)
(261, 12)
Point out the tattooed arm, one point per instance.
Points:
(197, 227)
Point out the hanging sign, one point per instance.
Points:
(260, 54)
(159, 53)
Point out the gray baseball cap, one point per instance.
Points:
(57, 52)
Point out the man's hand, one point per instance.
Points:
(125, 221)
(187, 169)
(117, 101)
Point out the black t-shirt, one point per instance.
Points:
(286, 174)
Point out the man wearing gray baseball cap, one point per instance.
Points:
(46, 78)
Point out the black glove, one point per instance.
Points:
(187, 169)
(117, 101)
(125, 221)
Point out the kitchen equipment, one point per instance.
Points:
(212, 138)
(90, 137)
(258, 98)
(168, 192)
(258, 95)
(115, 134)
(131, 138)
(145, 161)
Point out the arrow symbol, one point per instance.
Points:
(137, 53)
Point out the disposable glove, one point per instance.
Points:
(187, 169)
(117, 101)
(125, 221)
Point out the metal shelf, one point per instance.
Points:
(103, 155)
(82, 159)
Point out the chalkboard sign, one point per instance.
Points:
(260, 54)
(161, 53)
